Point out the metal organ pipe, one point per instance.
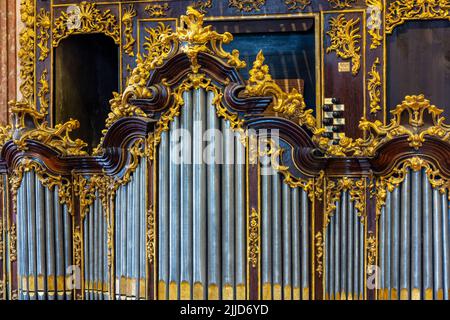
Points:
(416, 254)
(209, 224)
(44, 241)
(284, 237)
(344, 252)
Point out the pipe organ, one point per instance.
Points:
(210, 185)
(414, 245)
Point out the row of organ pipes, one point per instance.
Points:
(201, 214)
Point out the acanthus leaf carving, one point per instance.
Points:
(297, 4)
(373, 87)
(247, 5)
(414, 118)
(400, 11)
(289, 104)
(127, 20)
(89, 19)
(344, 37)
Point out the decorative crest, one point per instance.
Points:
(290, 104)
(85, 18)
(400, 11)
(57, 137)
(415, 118)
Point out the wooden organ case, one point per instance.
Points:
(209, 185)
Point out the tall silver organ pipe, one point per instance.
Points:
(202, 224)
(130, 238)
(44, 242)
(414, 247)
(96, 279)
(344, 252)
(284, 237)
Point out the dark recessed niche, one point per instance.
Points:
(419, 63)
(86, 74)
(288, 46)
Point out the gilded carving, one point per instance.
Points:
(344, 36)
(91, 20)
(400, 11)
(297, 4)
(415, 118)
(12, 243)
(196, 38)
(57, 137)
(5, 134)
(86, 188)
(157, 10)
(127, 21)
(341, 4)
(289, 104)
(253, 238)
(371, 245)
(27, 38)
(267, 147)
(373, 87)
(151, 235)
(356, 189)
(43, 23)
(374, 22)
(48, 180)
(77, 243)
(246, 5)
(191, 38)
(318, 245)
(43, 92)
(392, 180)
(202, 5)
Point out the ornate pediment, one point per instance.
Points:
(415, 118)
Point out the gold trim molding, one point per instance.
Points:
(92, 20)
(401, 11)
